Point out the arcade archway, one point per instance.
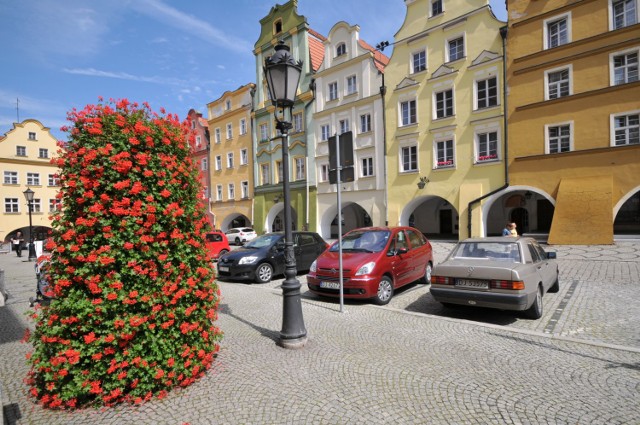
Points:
(433, 216)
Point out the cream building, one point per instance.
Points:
(349, 98)
(444, 110)
(25, 162)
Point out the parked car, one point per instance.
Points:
(217, 243)
(507, 273)
(240, 235)
(376, 261)
(263, 258)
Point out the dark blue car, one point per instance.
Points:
(263, 258)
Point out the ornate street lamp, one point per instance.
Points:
(28, 194)
(282, 73)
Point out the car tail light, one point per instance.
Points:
(442, 280)
(507, 284)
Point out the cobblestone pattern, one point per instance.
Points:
(394, 365)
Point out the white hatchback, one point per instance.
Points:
(240, 235)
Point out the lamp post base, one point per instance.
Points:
(293, 344)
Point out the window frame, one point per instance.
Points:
(433, 3)
(242, 126)
(219, 192)
(21, 151)
(229, 159)
(341, 49)
(265, 173)
(11, 205)
(218, 165)
(325, 132)
(547, 137)
(298, 122)
(332, 91)
(612, 67)
(547, 83)
(301, 168)
(411, 110)
(217, 135)
(244, 156)
(367, 168)
(488, 156)
(33, 179)
(489, 98)
(612, 126)
(448, 46)
(244, 189)
(351, 85)
(612, 16)
(436, 110)
(11, 177)
(546, 30)
(365, 123)
(264, 132)
(445, 163)
(423, 66)
(412, 158)
(231, 191)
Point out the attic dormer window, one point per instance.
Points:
(341, 49)
(228, 104)
(277, 27)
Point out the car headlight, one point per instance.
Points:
(366, 269)
(248, 260)
(313, 267)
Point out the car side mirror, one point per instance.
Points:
(551, 255)
(400, 251)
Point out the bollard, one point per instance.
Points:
(3, 292)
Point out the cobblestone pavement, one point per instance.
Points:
(411, 362)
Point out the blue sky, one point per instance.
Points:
(64, 54)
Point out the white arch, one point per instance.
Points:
(493, 198)
(228, 219)
(411, 206)
(328, 216)
(273, 213)
(621, 202)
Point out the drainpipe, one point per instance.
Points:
(383, 92)
(312, 87)
(503, 34)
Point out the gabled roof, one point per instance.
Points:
(485, 56)
(406, 82)
(380, 59)
(442, 70)
(316, 49)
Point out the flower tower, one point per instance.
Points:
(134, 286)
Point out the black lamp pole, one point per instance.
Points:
(282, 73)
(28, 194)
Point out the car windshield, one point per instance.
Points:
(364, 241)
(263, 241)
(504, 251)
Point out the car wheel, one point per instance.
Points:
(238, 241)
(535, 311)
(385, 291)
(264, 273)
(556, 286)
(427, 274)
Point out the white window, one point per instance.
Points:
(54, 205)
(32, 135)
(36, 205)
(436, 7)
(408, 159)
(264, 132)
(365, 123)
(265, 173)
(418, 61)
(455, 49)
(33, 179)
(43, 153)
(243, 126)
(244, 157)
(487, 146)
(198, 141)
(227, 104)
(623, 13)
(21, 151)
(193, 124)
(624, 67)
(204, 164)
(229, 159)
(341, 49)
(280, 175)
(54, 180)
(408, 115)
(217, 136)
(626, 129)
(444, 153)
(344, 126)
(325, 132)
(11, 205)
(366, 167)
(557, 31)
(559, 138)
(229, 131)
(232, 191)
(352, 85)
(244, 188)
(324, 172)
(300, 169)
(10, 177)
(219, 192)
(487, 93)
(333, 91)
(558, 83)
(297, 122)
(444, 104)
(218, 162)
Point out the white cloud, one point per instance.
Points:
(92, 72)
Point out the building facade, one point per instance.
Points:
(445, 126)
(573, 114)
(349, 98)
(25, 162)
(199, 144)
(283, 23)
(231, 158)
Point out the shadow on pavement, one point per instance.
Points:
(12, 329)
(269, 333)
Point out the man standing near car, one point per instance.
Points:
(17, 241)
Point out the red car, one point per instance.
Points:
(375, 262)
(217, 243)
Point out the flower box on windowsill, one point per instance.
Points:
(486, 158)
(444, 164)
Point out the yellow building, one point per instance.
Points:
(231, 159)
(573, 118)
(25, 162)
(444, 116)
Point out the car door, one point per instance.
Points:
(400, 262)
(417, 259)
(305, 250)
(548, 269)
(538, 264)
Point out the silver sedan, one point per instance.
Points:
(507, 273)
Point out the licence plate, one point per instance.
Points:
(467, 283)
(223, 269)
(330, 285)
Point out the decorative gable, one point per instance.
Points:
(485, 56)
(406, 82)
(443, 70)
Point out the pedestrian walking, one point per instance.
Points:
(16, 242)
